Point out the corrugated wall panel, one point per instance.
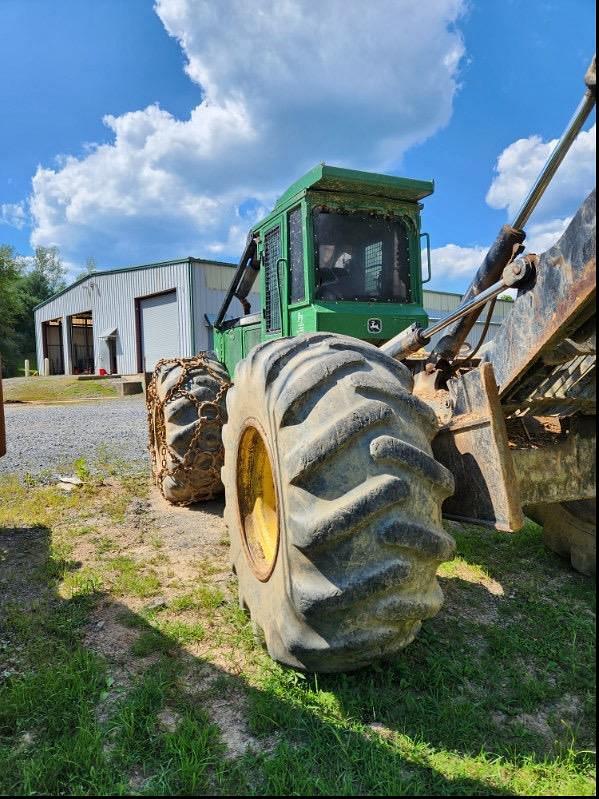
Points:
(473, 336)
(111, 299)
(438, 305)
(210, 285)
(159, 318)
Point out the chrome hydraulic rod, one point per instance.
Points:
(414, 337)
(559, 152)
(481, 299)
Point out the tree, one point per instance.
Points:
(47, 271)
(11, 306)
(88, 269)
(46, 276)
(24, 283)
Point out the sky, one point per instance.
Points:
(135, 132)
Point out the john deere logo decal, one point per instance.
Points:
(374, 325)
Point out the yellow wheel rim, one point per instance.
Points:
(257, 503)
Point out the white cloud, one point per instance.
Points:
(519, 164)
(543, 236)
(284, 87)
(456, 265)
(455, 262)
(516, 170)
(13, 214)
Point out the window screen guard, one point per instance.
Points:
(272, 305)
(361, 256)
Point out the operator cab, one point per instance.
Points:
(340, 252)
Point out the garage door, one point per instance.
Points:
(159, 319)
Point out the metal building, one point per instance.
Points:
(124, 320)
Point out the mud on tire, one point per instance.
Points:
(358, 501)
(186, 401)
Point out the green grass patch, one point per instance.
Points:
(116, 504)
(183, 632)
(459, 567)
(55, 389)
(496, 696)
(23, 505)
(84, 582)
(132, 578)
(165, 636)
(151, 642)
(50, 713)
(205, 597)
(57, 564)
(206, 568)
(104, 544)
(81, 530)
(180, 760)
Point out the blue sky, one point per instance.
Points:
(186, 160)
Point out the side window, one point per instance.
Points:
(296, 255)
(272, 253)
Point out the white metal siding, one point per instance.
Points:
(210, 284)
(111, 299)
(159, 319)
(438, 304)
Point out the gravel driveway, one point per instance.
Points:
(51, 437)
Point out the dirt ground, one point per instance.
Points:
(146, 588)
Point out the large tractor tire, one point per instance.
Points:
(569, 528)
(186, 402)
(333, 501)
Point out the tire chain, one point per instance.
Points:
(157, 445)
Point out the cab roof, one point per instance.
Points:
(336, 179)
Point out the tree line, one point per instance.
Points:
(25, 281)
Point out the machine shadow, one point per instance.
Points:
(29, 577)
(471, 682)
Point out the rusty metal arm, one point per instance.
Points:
(509, 241)
(553, 324)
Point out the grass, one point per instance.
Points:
(166, 636)
(55, 389)
(85, 582)
(203, 597)
(495, 696)
(132, 578)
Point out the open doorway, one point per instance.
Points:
(52, 343)
(111, 344)
(107, 357)
(82, 343)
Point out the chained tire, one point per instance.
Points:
(186, 402)
(333, 501)
(569, 529)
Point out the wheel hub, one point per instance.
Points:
(257, 503)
